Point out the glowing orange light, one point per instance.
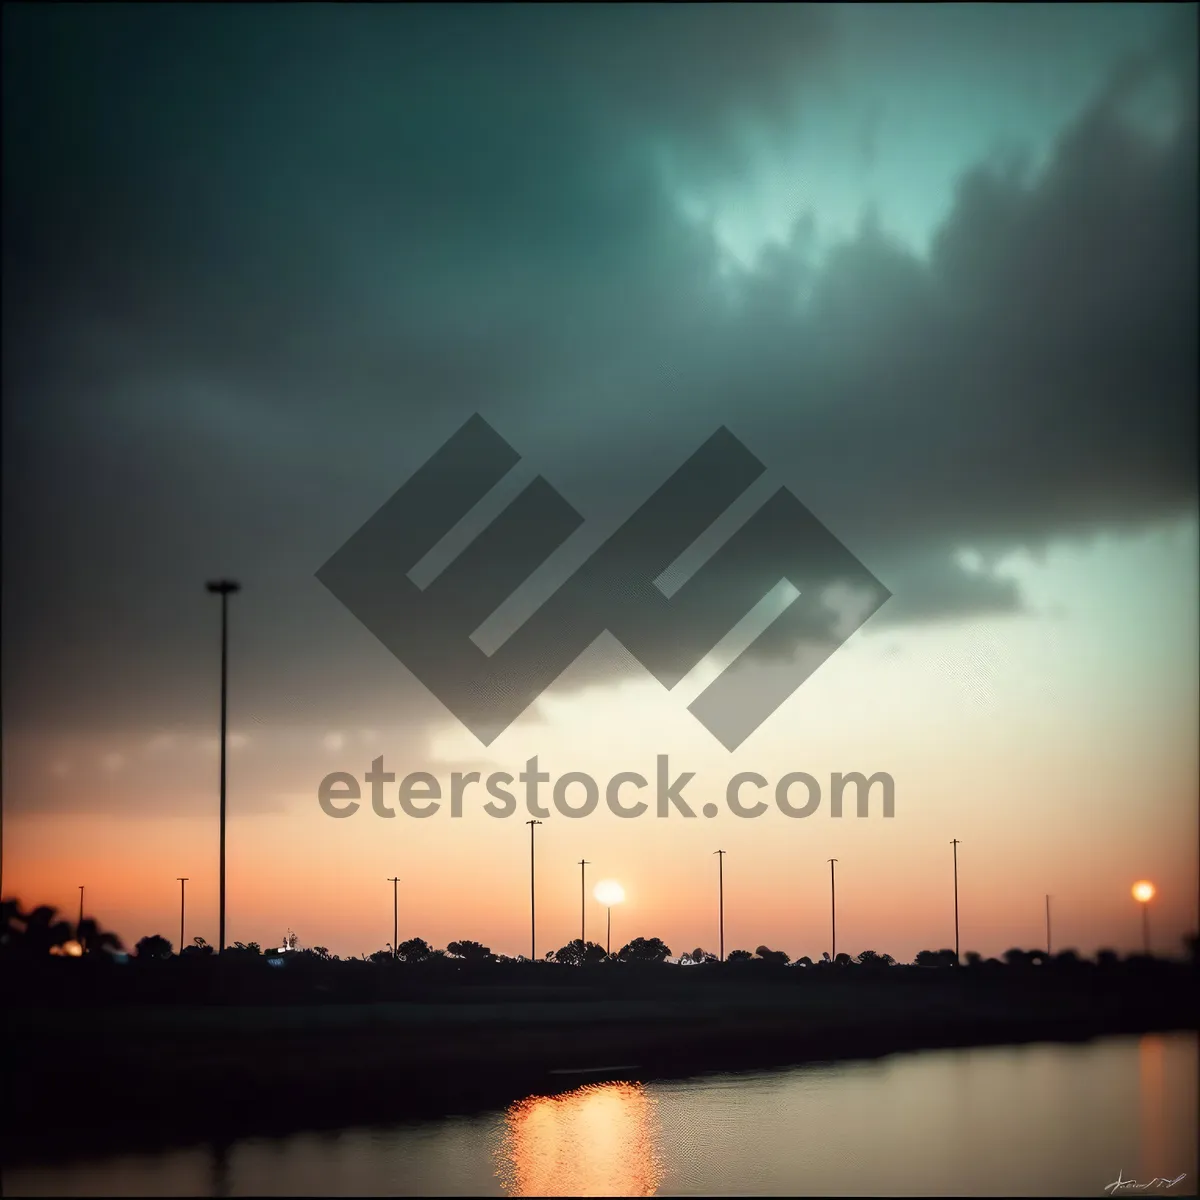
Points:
(1143, 891)
(609, 892)
(599, 1140)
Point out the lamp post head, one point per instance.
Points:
(223, 587)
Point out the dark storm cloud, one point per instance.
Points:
(260, 263)
(1035, 377)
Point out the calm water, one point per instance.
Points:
(1034, 1120)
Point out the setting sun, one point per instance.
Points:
(609, 892)
(1143, 891)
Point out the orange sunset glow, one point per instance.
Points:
(599, 1140)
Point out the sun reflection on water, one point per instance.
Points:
(1152, 1107)
(599, 1140)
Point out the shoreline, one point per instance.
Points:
(147, 1087)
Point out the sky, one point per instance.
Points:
(935, 266)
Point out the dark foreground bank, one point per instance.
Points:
(95, 1077)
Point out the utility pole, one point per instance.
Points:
(721, 896)
(79, 927)
(954, 843)
(223, 588)
(832, 914)
(583, 864)
(182, 884)
(1047, 926)
(395, 882)
(532, 898)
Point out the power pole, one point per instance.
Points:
(583, 864)
(1047, 926)
(182, 884)
(532, 898)
(954, 843)
(832, 914)
(395, 882)
(721, 896)
(223, 588)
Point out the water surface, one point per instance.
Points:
(1012, 1121)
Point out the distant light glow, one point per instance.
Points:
(1143, 891)
(609, 892)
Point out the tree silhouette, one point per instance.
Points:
(974, 958)
(578, 952)
(774, 958)
(644, 950)
(1107, 958)
(95, 940)
(872, 958)
(33, 934)
(154, 947)
(803, 961)
(318, 954)
(1016, 957)
(470, 951)
(198, 949)
(738, 956)
(1191, 944)
(936, 958)
(12, 923)
(843, 960)
(244, 950)
(414, 950)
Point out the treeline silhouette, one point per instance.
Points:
(40, 933)
(414, 1027)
